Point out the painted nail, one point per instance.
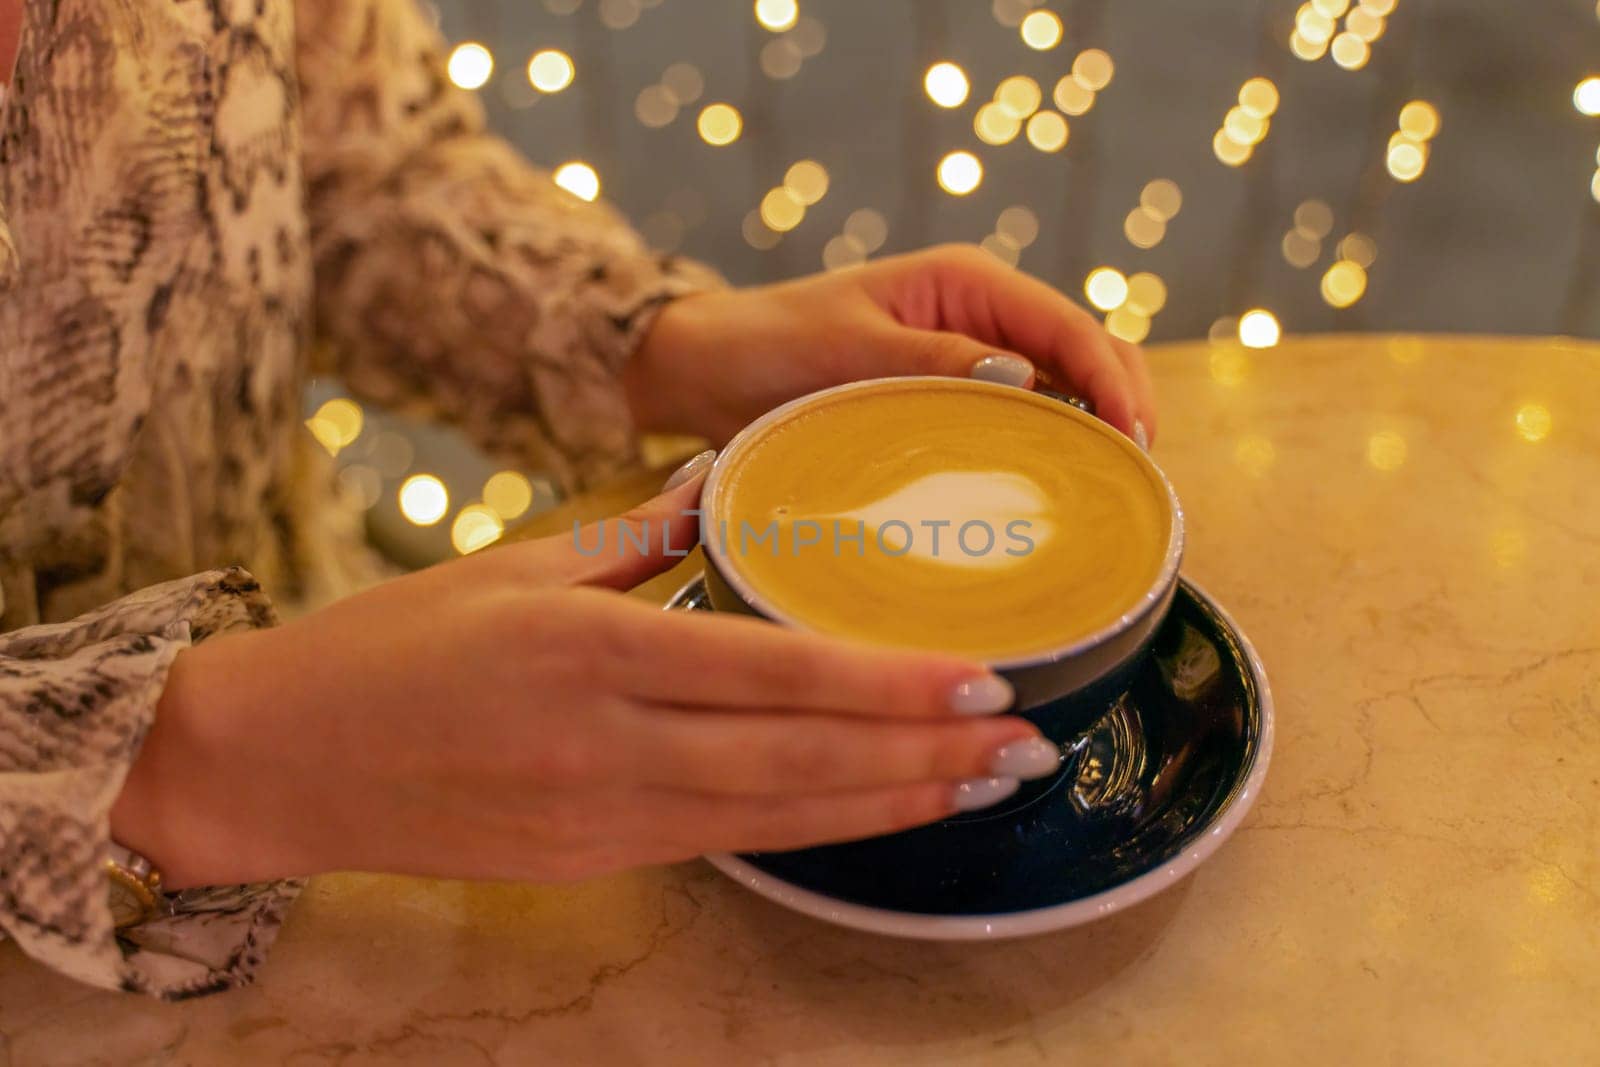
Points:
(1033, 758)
(982, 696)
(695, 466)
(975, 793)
(1141, 436)
(1003, 370)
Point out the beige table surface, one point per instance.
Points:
(1419, 882)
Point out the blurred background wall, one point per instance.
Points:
(1335, 165)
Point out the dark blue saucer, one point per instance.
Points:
(1146, 793)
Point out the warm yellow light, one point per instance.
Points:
(1255, 454)
(1230, 151)
(1019, 95)
(1381, 8)
(1594, 186)
(1142, 229)
(1343, 284)
(1533, 422)
(684, 81)
(1350, 51)
(579, 179)
(1419, 120)
(1314, 218)
(1364, 24)
(1041, 30)
(470, 65)
(475, 527)
(1147, 293)
(1386, 450)
(326, 433)
(1072, 98)
(1406, 161)
(1243, 127)
(1106, 288)
(1300, 250)
(550, 71)
(842, 251)
(1258, 328)
(758, 234)
(509, 493)
(868, 227)
(777, 15)
(995, 125)
(1128, 325)
(1586, 97)
(1093, 69)
(1047, 131)
(807, 181)
(1359, 249)
(1161, 198)
(1313, 26)
(1305, 49)
(1018, 223)
(423, 499)
(1002, 248)
(960, 173)
(343, 417)
(720, 124)
(946, 84)
(781, 211)
(1330, 8)
(1259, 97)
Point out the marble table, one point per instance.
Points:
(1409, 530)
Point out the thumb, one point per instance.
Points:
(620, 552)
(956, 355)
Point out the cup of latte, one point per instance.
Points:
(955, 515)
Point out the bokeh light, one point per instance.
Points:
(1019, 95)
(1147, 293)
(777, 15)
(579, 179)
(1041, 30)
(1258, 328)
(470, 65)
(1419, 120)
(1072, 98)
(423, 499)
(1106, 288)
(781, 211)
(842, 251)
(551, 70)
(1350, 51)
(868, 227)
(1533, 422)
(1128, 324)
(1586, 97)
(509, 493)
(960, 173)
(1143, 229)
(1386, 450)
(1161, 198)
(1259, 97)
(1343, 284)
(720, 124)
(1230, 151)
(685, 82)
(806, 181)
(337, 423)
(477, 526)
(1359, 249)
(1047, 131)
(946, 84)
(1019, 223)
(1406, 160)
(995, 125)
(1093, 69)
(1314, 218)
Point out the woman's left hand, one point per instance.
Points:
(713, 362)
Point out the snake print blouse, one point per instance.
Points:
(178, 180)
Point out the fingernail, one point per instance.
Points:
(1003, 370)
(982, 696)
(1033, 758)
(691, 469)
(1141, 436)
(975, 793)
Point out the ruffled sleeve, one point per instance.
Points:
(76, 699)
(453, 276)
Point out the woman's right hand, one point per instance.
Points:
(511, 716)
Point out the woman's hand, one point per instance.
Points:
(713, 362)
(508, 716)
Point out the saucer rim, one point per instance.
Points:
(994, 927)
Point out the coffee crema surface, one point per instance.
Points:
(957, 516)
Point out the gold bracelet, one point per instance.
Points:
(135, 887)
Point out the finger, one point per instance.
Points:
(789, 752)
(707, 823)
(1138, 368)
(965, 290)
(621, 552)
(729, 661)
